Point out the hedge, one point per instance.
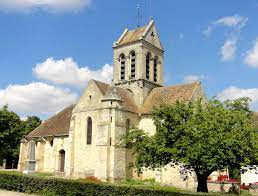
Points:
(54, 186)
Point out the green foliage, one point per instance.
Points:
(31, 123)
(234, 173)
(203, 136)
(52, 186)
(12, 130)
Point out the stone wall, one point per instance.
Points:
(23, 156)
(220, 187)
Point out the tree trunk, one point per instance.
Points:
(202, 183)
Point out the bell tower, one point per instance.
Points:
(138, 61)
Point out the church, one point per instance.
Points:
(80, 141)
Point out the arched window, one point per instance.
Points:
(133, 64)
(148, 58)
(127, 126)
(89, 130)
(155, 69)
(61, 160)
(122, 68)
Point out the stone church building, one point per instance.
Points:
(81, 140)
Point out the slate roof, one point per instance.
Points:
(57, 125)
(168, 95)
(133, 35)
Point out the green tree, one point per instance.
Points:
(12, 130)
(31, 123)
(202, 136)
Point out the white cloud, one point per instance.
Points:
(232, 93)
(251, 58)
(228, 50)
(192, 78)
(67, 72)
(48, 5)
(36, 98)
(207, 32)
(232, 21)
(235, 24)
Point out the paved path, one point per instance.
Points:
(9, 193)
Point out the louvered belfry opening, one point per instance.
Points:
(133, 64)
(148, 57)
(122, 61)
(155, 69)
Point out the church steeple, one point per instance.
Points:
(138, 58)
(138, 54)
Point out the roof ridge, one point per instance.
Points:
(186, 84)
(100, 85)
(148, 27)
(138, 28)
(109, 85)
(197, 84)
(99, 81)
(178, 85)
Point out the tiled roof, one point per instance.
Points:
(103, 87)
(168, 95)
(57, 125)
(133, 35)
(126, 97)
(128, 100)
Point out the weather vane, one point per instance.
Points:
(140, 11)
(138, 14)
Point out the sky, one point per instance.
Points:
(49, 49)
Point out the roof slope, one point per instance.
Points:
(168, 95)
(128, 100)
(125, 95)
(57, 125)
(133, 35)
(103, 87)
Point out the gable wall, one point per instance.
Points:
(199, 93)
(86, 103)
(153, 40)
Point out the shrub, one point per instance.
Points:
(52, 186)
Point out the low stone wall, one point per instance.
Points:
(221, 186)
